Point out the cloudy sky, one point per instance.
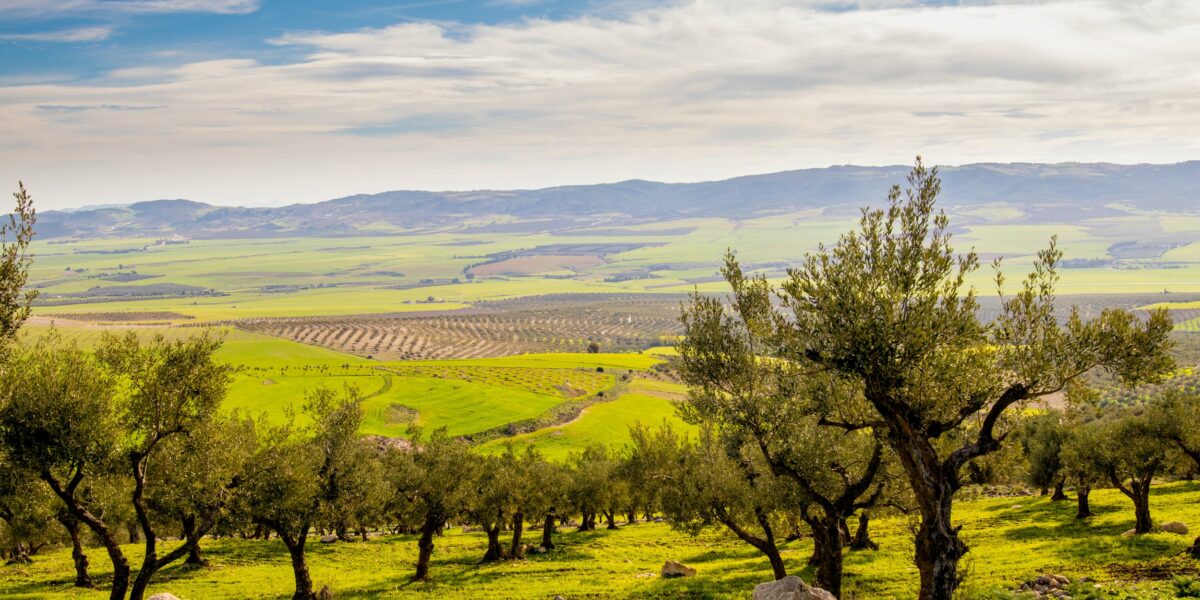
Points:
(278, 101)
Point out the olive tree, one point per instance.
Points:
(549, 483)
(28, 511)
(168, 390)
(595, 488)
(493, 501)
(1041, 442)
(435, 479)
(16, 232)
(1175, 411)
(809, 425)
(303, 475)
(889, 309)
(1081, 464)
(58, 419)
(1131, 452)
(716, 480)
(194, 477)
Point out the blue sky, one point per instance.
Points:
(277, 101)
(116, 35)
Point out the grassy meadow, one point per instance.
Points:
(427, 270)
(1012, 539)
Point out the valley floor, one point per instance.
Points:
(1012, 539)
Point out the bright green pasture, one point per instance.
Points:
(355, 275)
(463, 407)
(603, 423)
(1011, 540)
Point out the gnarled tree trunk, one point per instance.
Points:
(1059, 494)
(192, 536)
(1084, 508)
(425, 547)
(611, 518)
(82, 578)
(938, 548)
(862, 535)
(495, 551)
(120, 565)
(517, 549)
(548, 531)
(827, 537)
(295, 546)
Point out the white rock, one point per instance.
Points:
(790, 588)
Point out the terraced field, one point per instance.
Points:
(567, 323)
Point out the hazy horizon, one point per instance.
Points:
(350, 194)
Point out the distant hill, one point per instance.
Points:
(1042, 192)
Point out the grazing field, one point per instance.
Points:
(601, 423)
(465, 399)
(538, 324)
(1012, 539)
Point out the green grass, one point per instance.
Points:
(359, 275)
(461, 406)
(1011, 540)
(603, 422)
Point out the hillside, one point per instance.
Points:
(1038, 192)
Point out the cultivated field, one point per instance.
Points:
(565, 323)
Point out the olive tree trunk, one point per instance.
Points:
(827, 552)
(1138, 491)
(517, 549)
(765, 543)
(495, 551)
(862, 535)
(120, 565)
(1084, 508)
(82, 578)
(296, 546)
(1059, 494)
(548, 531)
(425, 546)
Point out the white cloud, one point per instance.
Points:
(58, 8)
(692, 91)
(78, 34)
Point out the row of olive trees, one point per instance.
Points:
(129, 434)
(1126, 447)
(873, 352)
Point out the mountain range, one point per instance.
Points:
(1040, 192)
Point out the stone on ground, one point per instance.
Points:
(674, 569)
(790, 588)
(1174, 527)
